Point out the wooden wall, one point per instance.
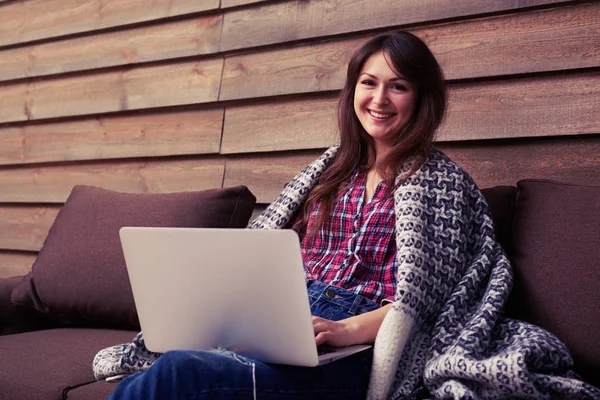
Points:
(176, 95)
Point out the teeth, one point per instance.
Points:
(379, 115)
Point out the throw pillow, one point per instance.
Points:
(79, 276)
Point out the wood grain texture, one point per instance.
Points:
(131, 89)
(527, 107)
(293, 20)
(575, 159)
(266, 175)
(566, 37)
(302, 69)
(547, 40)
(278, 125)
(15, 263)
(135, 135)
(236, 3)
(53, 183)
(571, 159)
(130, 46)
(26, 21)
(25, 227)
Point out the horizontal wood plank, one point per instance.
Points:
(236, 3)
(548, 40)
(52, 184)
(266, 175)
(571, 159)
(302, 69)
(575, 160)
(149, 43)
(548, 106)
(15, 263)
(280, 125)
(536, 41)
(25, 21)
(136, 135)
(528, 107)
(293, 20)
(132, 89)
(25, 227)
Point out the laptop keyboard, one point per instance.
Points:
(325, 350)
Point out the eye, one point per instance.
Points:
(400, 87)
(368, 82)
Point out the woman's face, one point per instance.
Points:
(383, 101)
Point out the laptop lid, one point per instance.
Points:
(239, 289)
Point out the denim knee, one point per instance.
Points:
(191, 375)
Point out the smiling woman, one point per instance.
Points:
(384, 101)
(388, 222)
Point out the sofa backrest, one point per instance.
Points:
(550, 232)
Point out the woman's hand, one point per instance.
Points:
(359, 329)
(334, 333)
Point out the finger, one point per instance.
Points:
(321, 338)
(320, 326)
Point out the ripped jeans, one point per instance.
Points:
(221, 374)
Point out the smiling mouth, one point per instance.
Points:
(380, 115)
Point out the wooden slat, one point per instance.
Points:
(266, 175)
(137, 135)
(549, 106)
(235, 3)
(149, 43)
(15, 264)
(300, 19)
(26, 21)
(52, 184)
(136, 88)
(278, 125)
(563, 38)
(25, 227)
(302, 69)
(536, 41)
(574, 159)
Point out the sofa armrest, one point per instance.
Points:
(12, 319)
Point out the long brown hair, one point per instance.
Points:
(410, 57)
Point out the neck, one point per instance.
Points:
(380, 151)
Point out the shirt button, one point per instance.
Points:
(329, 293)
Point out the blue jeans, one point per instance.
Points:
(221, 374)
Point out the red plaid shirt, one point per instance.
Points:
(356, 249)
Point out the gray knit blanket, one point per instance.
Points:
(444, 336)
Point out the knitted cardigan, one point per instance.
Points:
(444, 336)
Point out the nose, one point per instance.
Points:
(380, 96)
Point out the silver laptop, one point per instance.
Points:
(237, 289)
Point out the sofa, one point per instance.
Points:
(77, 299)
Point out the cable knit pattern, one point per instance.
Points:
(444, 336)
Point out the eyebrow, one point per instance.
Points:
(398, 78)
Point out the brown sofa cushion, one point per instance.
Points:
(556, 259)
(79, 276)
(91, 391)
(501, 202)
(44, 364)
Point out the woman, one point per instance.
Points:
(398, 246)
